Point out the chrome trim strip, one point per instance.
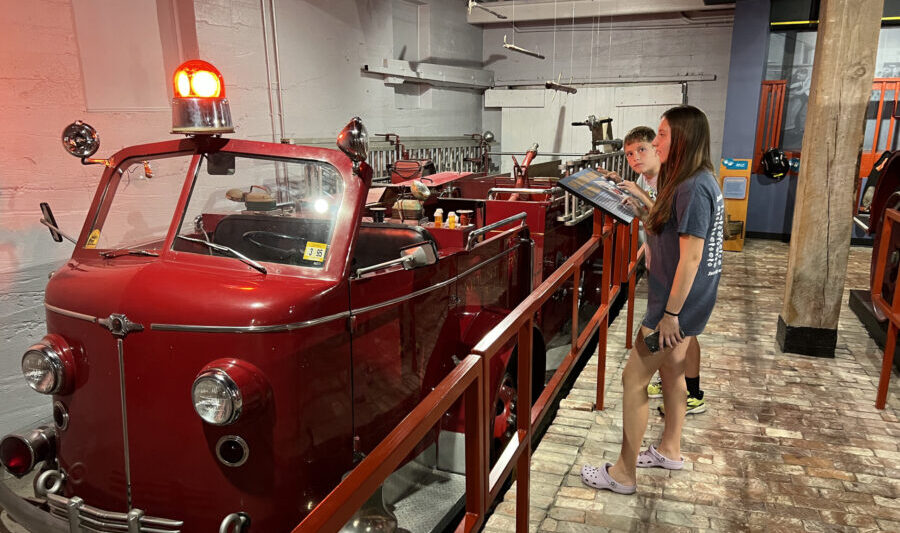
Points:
(405, 297)
(124, 421)
(90, 518)
(436, 286)
(250, 329)
(71, 314)
(316, 321)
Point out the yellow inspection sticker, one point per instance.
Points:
(92, 239)
(315, 251)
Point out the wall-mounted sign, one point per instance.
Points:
(734, 179)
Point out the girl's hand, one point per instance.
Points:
(669, 331)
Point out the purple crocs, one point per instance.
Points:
(599, 478)
(650, 458)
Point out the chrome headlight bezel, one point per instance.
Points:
(53, 357)
(229, 391)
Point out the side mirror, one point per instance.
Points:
(50, 221)
(48, 216)
(353, 140)
(419, 255)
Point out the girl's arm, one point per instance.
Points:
(691, 253)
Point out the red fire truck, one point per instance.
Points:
(236, 325)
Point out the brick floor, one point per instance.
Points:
(789, 443)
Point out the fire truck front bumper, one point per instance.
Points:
(56, 514)
(28, 513)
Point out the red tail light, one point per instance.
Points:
(19, 454)
(16, 456)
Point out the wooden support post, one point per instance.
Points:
(843, 70)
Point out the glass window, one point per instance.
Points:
(262, 209)
(146, 192)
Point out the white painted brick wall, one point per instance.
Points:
(323, 45)
(41, 91)
(619, 52)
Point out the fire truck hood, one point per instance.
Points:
(165, 292)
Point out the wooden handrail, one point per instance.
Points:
(340, 505)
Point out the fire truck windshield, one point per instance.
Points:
(262, 209)
(138, 205)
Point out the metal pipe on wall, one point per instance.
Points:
(281, 179)
(277, 68)
(265, 33)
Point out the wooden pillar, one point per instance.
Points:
(842, 76)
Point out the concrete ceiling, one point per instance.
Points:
(549, 10)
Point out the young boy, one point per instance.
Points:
(643, 159)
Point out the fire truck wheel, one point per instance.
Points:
(504, 424)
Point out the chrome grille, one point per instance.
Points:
(84, 518)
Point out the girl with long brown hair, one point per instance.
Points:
(685, 231)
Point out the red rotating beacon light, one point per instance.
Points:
(199, 106)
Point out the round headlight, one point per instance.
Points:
(217, 399)
(43, 368)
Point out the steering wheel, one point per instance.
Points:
(281, 253)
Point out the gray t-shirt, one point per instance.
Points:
(699, 210)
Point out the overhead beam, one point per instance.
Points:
(540, 10)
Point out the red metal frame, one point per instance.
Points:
(870, 155)
(769, 119)
(471, 380)
(890, 309)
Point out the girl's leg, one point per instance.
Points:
(674, 399)
(636, 376)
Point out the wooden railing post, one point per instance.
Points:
(523, 425)
(476, 443)
(576, 283)
(887, 228)
(632, 281)
(604, 302)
